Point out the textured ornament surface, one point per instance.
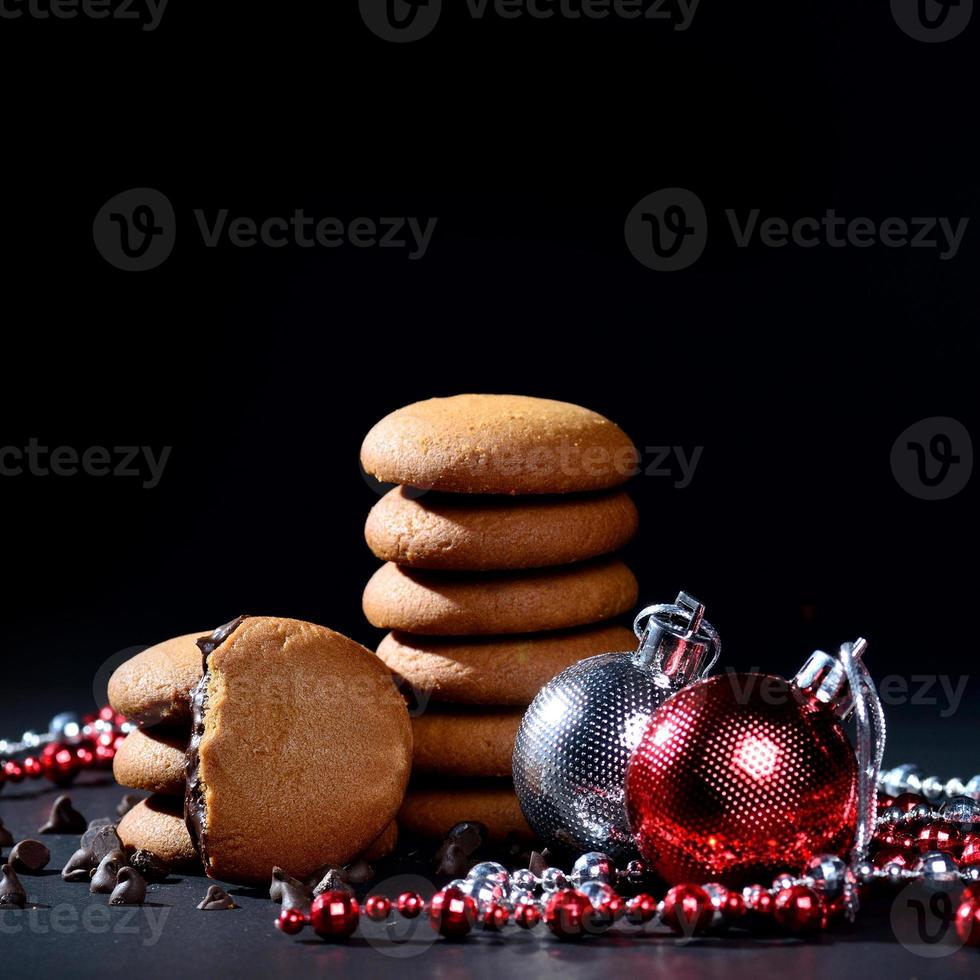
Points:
(739, 777)
(574, 745)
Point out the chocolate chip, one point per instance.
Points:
(333, 880)
(127, 803)
(64, 819)
(6, 838)
(79, 865)
(94, 826)
(130, 888)
(28, 857)
(468, 835)
(12, 894)
(451, 860)
(105, 841)
(216, 900)
(104, 876)
(151, 867)
(537, 864)
(290, 892)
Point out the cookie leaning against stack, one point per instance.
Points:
(243, 783)
(496, 541)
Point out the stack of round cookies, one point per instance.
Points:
(497, 542)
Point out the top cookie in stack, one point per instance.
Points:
(498, 575)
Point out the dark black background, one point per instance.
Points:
(263, 369)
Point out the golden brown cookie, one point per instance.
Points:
(501, 670)
(458, 604)
(430, 811)
(488, 533)
(155, 685)
(300, 749)
(383, 845)
(157, 824)
(498, 444)
(152, 759)
(465, 742)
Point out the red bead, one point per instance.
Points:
(938, 837)
(60, 764)
(290, 921)
(568, 914)
(971, 893)
(612, 910)
(732, 907)
(104, 754)
(452, 913)
(970, 852)
(687, 909)
(891, 837)
(377, 907)
(106, 713)
(641, 908)
(494, 916)
(14, 771)
(904, 857)
(527, 915)
(410, 904)
(798, 909)
(884, 801)
(907, 801)
(32, 767)
(334, 914)
(85, 755)
(968, 923)
(119, 720)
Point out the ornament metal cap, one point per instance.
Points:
(676, 638)
(824, 678)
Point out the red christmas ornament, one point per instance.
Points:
(290, 921)
(377, 907)
(687, 910)
(938, 837)
(452, 913)
(970, 854)
(907, 801)
(410, 904)
(334, 914)
(569, 914)
(741, 775)
(527, 915)
(968, 923)
(798, 909)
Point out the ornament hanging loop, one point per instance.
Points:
(676, 638)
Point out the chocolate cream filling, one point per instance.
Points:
(195, 809)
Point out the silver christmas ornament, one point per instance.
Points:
(576, 739)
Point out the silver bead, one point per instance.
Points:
(752, 893)
(4, 746)
(31, 740)
(717, 893)
(902, 779)
(483, 889)
(828, 873)
(783, 881)
(635, 872)
(864, 871)
(972, 788)
(523, 878)
(489, 869)
(597, 892)
(961, 810)
(457, 883)
(935, 866)
(594, 866)
(66, 724)
(894, 872)
(970, 873)
(520, 896)
(932, 788)
(954, 787)
(553, 879)
(890, 815)
(920, 813)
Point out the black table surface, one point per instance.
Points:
(66, 931)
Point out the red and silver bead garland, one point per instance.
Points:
(69, 746)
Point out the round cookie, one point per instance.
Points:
(464, 743)
(495, 670)
(432, 811)
(157, 825)
(498, 444)
(155, 685)
(152, 759)
(300, 750)
(447, 604)
(490, 533)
